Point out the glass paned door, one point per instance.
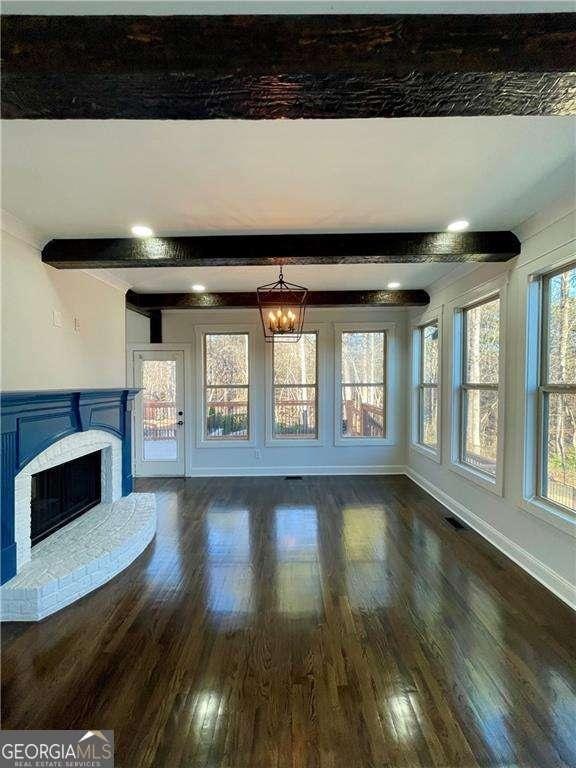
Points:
(159, 428)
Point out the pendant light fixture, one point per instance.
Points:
(282, 306)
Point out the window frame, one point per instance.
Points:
(201, 331)
(273, 440)
(389, 384)
(467, 386)
(545, 388)
(477, 297)
(432, 317)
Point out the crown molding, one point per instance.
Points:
(13, 226)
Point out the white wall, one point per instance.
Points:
(328, 458)
(544, 544)
(35, 353)
(137, 327)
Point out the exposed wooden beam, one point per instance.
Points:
(241, 299)
(155, 326)
(243, 250)
(271, 67)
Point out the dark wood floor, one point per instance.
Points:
(317, 622)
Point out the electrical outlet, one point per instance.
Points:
(257, 454)
(56, 318)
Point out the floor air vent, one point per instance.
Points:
(293, 477)
(456, 524)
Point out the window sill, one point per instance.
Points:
(293, 442)
(225, 443)
(363, 442)
(483, 481)
(429, 453)
(564, 520)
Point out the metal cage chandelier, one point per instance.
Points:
(282, 306)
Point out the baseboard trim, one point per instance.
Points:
(536, 568)
(389, 469)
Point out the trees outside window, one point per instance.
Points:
(428, 346)
(226, 386)
(557, 391)
(363, 382)
(294, 388)
(479, 388)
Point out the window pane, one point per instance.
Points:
(429, 425)
(295, 412)
(363, 357)
(227, 413)
(295, 362)
(561, 318)
(560, 438)
(159, 414)
(363, 411)
(482, 343)
(430, 354)
(480, 419)
(226, 358)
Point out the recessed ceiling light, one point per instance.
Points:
(198, 288)
(141, 230)
(458, 226)
(392, 286)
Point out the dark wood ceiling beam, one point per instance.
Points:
(245, 299)
(271, 67)
(257, 250)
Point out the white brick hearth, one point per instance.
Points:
(88, 551)
(80, 557)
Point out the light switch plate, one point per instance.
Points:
(56, 318)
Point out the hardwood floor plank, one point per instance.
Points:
(332, 622)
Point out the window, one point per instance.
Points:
(294, 386)
(427, 373)
(363, 384)
(479, 391)
(557, 391)
(226, 386)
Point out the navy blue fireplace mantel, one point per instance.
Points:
(32, 421)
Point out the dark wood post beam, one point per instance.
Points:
(235, 300)
(243, 250)
(272, 67)
(156, 326)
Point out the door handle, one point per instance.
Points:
(179, 423)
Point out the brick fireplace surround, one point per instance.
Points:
(42, 430)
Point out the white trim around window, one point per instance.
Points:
(200, 332)
(273, 441)
(532, 500)
(495, 289)
(431, 316)
(390, 384)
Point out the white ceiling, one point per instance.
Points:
(316, 278)
(220, 7)
(97, 178)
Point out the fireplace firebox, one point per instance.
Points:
(61, 494)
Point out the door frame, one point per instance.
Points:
(189, 415)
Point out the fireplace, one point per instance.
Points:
(66, 487)
(62, 493)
